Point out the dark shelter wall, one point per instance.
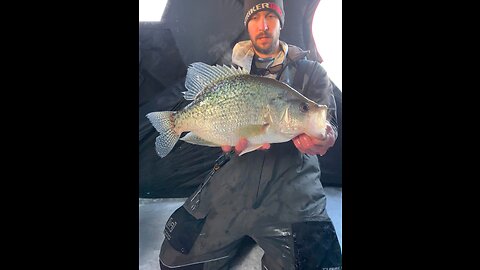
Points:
(205, 31)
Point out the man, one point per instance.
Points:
(272, 196)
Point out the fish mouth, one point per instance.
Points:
(318, 122)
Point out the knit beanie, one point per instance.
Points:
(253, 6)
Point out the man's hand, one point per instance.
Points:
(315, 146)
(241, 145)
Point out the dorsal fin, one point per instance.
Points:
(201, 75)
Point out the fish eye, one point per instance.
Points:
(303, 107)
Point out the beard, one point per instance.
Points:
(268, 50)
(271, 47)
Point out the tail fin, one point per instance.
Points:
(163, 123)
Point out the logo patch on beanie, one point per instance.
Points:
(261, 6)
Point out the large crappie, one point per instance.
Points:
(229, 104)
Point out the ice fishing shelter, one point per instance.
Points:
(205, 31)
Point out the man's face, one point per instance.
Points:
(264, 31)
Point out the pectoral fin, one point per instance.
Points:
(252, 130)
(194, 139)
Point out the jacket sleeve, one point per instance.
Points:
(318, 87)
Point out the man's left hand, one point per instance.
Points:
(313, 145)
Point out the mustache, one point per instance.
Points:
(263, 35)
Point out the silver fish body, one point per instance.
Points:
(229, 104)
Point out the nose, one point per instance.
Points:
(262, 24)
